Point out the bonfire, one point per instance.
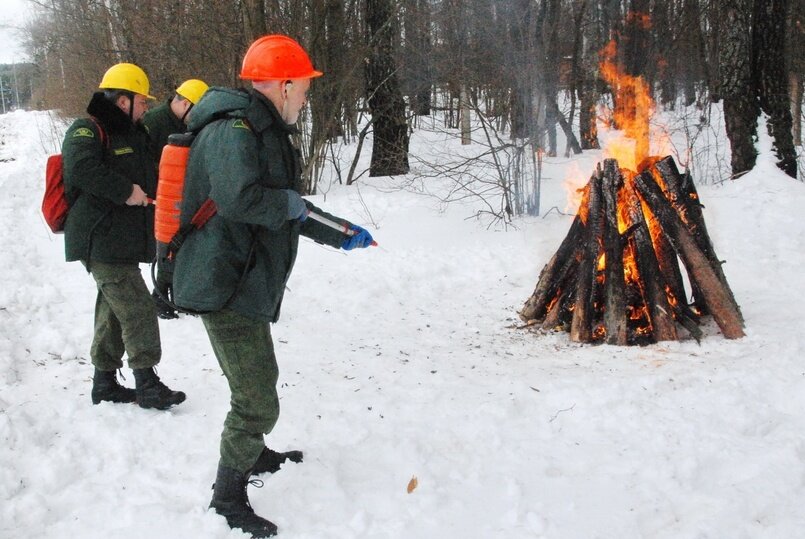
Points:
(616, 277)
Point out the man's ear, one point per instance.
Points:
(125, 103)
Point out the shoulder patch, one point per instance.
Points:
(83, 132)
(240, 124)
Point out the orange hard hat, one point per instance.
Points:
(277, 57)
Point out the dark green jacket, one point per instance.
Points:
(160, 122)
(99, 180)
(243, 160)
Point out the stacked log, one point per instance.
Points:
(616, 277)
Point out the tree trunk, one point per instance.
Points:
(795, 85)
(588, 117)
(771, 69)
(390, 142)
(737, 90)
(418, 54)
(464, 111)
(254, 19)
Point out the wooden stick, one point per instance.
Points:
(654, 295)
(581, 326)
(716, 295)
(615, 310)
(686, 202)
(553, 273)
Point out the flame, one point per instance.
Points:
(574, 183)
(602, 262)
(584, 208)
(624, 218)
(630, 272)
(551, 304)
(633, 107)
(672, 301)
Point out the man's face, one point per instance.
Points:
(295, 94)
(140, 106)
(181, 108)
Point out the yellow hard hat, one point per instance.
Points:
(192, 90)
(126, 77)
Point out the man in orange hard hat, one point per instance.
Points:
(235, 268)
(109, 176)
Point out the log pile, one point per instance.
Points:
(616, 277)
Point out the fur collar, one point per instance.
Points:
(114, 120)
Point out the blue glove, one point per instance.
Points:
(296, 206)
(360, 240)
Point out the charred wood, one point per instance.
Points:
(653, 287)
(685, 199)
(554, 273)
(615, 309)
(716, 295)
(581, 326)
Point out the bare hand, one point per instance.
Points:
(137, 197)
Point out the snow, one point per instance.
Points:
(401, 361)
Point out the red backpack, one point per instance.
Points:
(55, 204)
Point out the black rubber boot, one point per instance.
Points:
(230, 500)
(105, 387)
(270, 460)
(152, 393)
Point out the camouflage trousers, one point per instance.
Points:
(245, 353)
(125, 319)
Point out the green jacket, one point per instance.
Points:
(160, 122)
(243, 160)
(98, 179)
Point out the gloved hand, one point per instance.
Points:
(296, 206)
(361, 239)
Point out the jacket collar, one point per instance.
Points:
(262, 114)
(109, 114)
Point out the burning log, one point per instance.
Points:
(615, 309)
(581, 327)
(616, 277)
(648, 269)
(717, 295)
(550, 280)
(681, 191)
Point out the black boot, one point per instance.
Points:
(105, 387)
(270, 461)
(152, 393)
(230, 500)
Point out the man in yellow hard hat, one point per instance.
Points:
(160, 122)
(173, 115)
(110, 178)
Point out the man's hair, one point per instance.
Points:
(112, 95)
(265, 84)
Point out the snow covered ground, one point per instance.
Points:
(400, 361)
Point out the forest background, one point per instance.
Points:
(521, 69)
